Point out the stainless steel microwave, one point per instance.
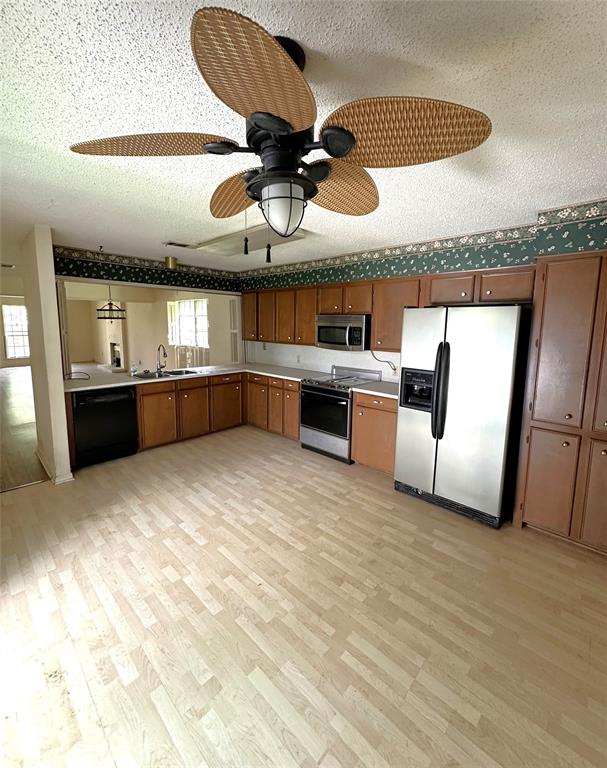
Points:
(351, 333)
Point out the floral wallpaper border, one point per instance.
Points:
(574, 228)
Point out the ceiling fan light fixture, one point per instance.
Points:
(283, 205)
(282, 198)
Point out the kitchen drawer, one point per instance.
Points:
(157, 386)
(276, 382)
(452, 290)
(517, 286)
(228, 378)
(293, 386)
(203, 381)
(255, 378)
(375, 401)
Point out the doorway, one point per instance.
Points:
(19, 463)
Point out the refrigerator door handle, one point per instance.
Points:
(435, 402)
(443, 390)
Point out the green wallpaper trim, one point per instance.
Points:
(72, 262)
(555, 238)
(581, 227)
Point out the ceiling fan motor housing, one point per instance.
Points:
(281, 156)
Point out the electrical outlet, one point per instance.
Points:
(264, 346)
(298, 358)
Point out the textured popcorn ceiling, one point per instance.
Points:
(80, 69)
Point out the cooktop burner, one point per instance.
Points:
(343, 378)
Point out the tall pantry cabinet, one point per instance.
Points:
(563, 479)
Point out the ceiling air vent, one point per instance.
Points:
(232, 243)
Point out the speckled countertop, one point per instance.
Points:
(381, 388)
(106, 380)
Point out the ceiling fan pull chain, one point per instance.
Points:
(268, 253)
(246, 239)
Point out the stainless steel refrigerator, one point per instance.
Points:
(456, 392)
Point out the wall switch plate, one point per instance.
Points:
(264, 346)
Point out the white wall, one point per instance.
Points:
(315, 359)
(80, 331)
(47, 374)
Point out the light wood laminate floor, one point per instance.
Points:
(236, 602)
(19, 464)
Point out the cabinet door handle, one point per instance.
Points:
(170, 398)
(237, 388)
(288, 397)
(565, 444)
(378, 402)
(349, 306)
(299, 338)
(263, 390)
(289, 338)
(568, 416)
(261, 335)
(463, 293)
(335, 306)
(378, 343)
(603, 453)
(184, 396)
(488, 293)
(360, 413)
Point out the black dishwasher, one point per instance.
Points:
(105, 424)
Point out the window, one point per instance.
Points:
(189, 323)
(14, 322)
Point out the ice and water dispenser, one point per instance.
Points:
(416, 389)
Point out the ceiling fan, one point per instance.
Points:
(260, 77)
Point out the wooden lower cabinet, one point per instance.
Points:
(275, 410)
(257, 404)
(226, 403)
(194, 416)
(594, 524)
(374, 431)
(290, 419)
(157, 408)
(551, 476)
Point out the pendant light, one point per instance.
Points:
(111, 311)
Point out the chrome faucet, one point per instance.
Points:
(159, 365)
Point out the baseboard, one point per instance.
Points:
(55, 479)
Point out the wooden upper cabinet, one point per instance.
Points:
(358, 299)
(389, 299)
(452, 290)
(257, 402)
(285, 317)
(305, 315)
(551, 480)
(265, 315)
(157, 416)
(509, 286)
(290, 426)
(569, 297)
(330, 300)
(600, 410)
(226, 405)
(594, 525)
(275, 410)
(249, 316)
(194, 417)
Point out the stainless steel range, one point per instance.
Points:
(326, 410)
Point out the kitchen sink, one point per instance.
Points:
(180, 372)
(151, 375)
